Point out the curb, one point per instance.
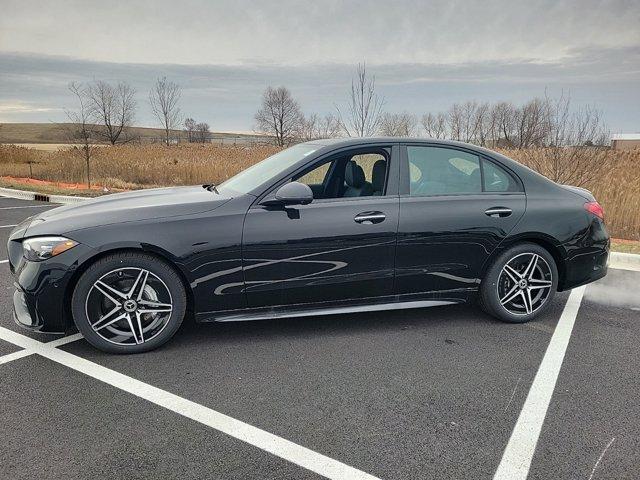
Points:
(624, 261)
(40, 197)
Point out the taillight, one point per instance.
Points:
(595, 208)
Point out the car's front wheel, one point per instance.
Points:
(520, 284)
(128, 302)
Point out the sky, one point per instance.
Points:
(425, 55)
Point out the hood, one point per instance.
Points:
(126, 207)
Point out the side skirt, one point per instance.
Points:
(309, 311)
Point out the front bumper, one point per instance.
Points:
(43, 290)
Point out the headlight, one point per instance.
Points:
(40, 248)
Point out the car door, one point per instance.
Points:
(340, 247)
(455, 208)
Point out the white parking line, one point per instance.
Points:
(269, 442)
(4, 261)
(8, 226)
(15, 356)
(516, 459)
(33, 348)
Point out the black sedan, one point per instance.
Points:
(324, 227)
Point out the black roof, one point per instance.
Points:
(355, 141)
(349, 141)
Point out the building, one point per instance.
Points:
(625, 141)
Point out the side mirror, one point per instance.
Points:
(292, 193)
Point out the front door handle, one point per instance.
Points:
(369, 218)
(498, 212)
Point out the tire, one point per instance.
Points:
(119, 308)
(509, 292)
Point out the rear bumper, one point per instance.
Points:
(582, 272)
(588, 259)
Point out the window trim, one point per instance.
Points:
(404, 179)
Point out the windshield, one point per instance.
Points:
(256, 175)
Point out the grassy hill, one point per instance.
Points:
(57, 133)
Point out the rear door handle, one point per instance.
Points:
(369, 218)
(498, 212)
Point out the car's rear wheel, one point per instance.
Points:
(520, 284)
(128, 302)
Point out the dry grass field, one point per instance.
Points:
(135, 166)
(618, 191)
(141, 166)
(51, 135)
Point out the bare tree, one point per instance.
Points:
(82, 129)
(314, 127)
(468, 125)
(574, 146)
(279, 116)
(201, 132)
(364, 110)
(164, 97)
(455, 122)
(481, 122)
(435, 125)
(505, 117)
(190, 129)
(398, 125)
(328, 127)
(531, 123)
(114, 107)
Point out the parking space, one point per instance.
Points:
(6, 348)
(62, 424)
(431, 393)
(397, 395)
(595, 409)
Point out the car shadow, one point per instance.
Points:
(330, 325)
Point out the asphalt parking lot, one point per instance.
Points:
(445, 392)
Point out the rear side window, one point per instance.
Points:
(496, 179)
(443, 171)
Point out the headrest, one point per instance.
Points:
(354, 175)
(377, 175)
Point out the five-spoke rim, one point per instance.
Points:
(524, 284)
(128, 306)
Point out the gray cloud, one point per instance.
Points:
(227, 96)
(425, 55)
(296, 32)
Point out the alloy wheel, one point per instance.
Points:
(524, 284)
(128, 306)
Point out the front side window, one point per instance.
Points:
(349, 175)
(443, 171)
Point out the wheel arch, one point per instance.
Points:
(545, 241)
(147, 249)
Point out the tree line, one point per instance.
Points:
(105, 113)
(540, 122)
